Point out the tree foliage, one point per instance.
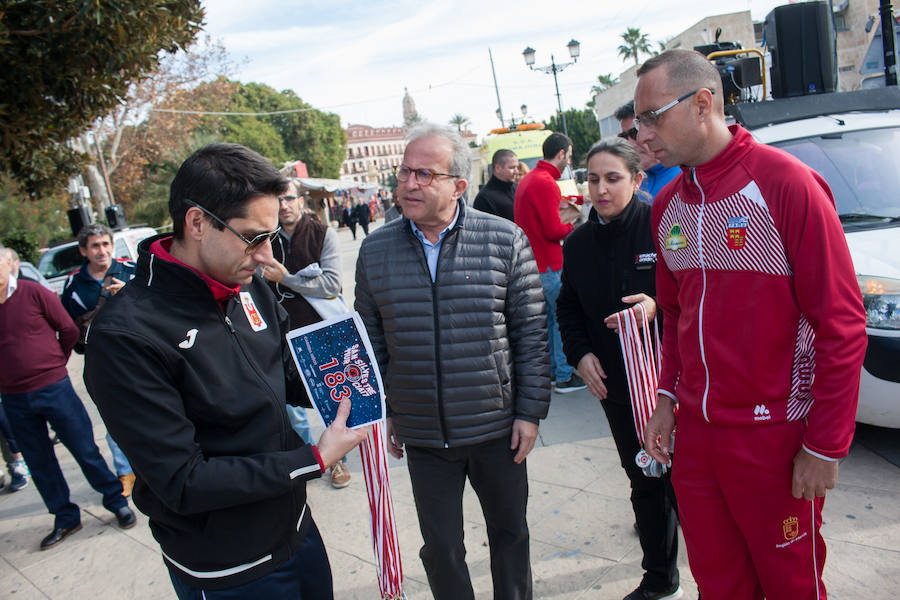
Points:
(584, 130)
(27, 225)
(140, 135)
(304, 133)
(635, 43)
(66, 64)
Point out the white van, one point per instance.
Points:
(853, 140)
(58, 262)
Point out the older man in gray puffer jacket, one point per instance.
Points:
(452, 301)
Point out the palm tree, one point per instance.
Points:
(635, 43)
(605, 81)
(461, 122)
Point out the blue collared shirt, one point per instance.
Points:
(433, 250)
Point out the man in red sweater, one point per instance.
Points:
(36, 390)
(763, 342)
(537, 213)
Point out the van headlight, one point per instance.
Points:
(881, 297)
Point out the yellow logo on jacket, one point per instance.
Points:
(790, 527)
(675, 240)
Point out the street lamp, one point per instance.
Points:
(554, 68)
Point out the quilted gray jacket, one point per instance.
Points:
(462, 357)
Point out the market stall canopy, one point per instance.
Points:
(315, 184)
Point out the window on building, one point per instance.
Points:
(840, 22)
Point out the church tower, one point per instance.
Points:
(410, 116)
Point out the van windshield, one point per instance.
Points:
(863, 170)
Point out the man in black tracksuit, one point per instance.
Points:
(190, 370)
(499, 194)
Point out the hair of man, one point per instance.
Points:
(93, 229)
(554, 143)
(502, 156)
(687, 70)
(460, 163)
(12, 254)
(624, 111)
(222, 178)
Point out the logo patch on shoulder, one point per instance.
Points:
(737, 232)
(675, 240)
(256, 321)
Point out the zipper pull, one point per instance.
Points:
(230, 326)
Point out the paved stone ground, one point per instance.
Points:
(583, 545)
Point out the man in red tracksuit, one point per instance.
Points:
(764, 341)
(536, 211)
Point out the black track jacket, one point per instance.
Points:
(196, 399)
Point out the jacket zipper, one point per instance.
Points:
(437, 333)
(703, 293)
(272, 394)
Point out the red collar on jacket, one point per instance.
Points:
(546, 166)
(222, 293)
(712, 171)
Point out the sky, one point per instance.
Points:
(355, 58)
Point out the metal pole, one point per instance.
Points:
(496, 89)
(887, 40)
(109, 191)
(562, 116)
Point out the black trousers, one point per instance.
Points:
(438, 476)
(652, 498)
(365, 227)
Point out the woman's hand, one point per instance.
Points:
(648, 303)
(592, 372)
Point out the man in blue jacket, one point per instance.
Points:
(656, 176)
(86, 291)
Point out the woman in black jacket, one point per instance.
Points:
(609, 264)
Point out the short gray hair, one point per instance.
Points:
(98, 229)
(460, 161)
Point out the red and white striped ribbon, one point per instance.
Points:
(641, 368)
(373, 452)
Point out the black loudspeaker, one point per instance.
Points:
(115, 216)
(801, 42)
(78, 218)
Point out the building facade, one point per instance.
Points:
(372, 154)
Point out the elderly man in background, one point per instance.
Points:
(36, 339)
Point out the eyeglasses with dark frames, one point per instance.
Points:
(651, 117)
(628, 134)
(423, 176)
(252, 245)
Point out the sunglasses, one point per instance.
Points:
(253, 244)
(628, 134)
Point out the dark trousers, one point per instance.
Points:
(59, 405)
(306, 576)
(365, 227)
(652, 499)
(7, 440)
(438, 476)
(352, 226)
